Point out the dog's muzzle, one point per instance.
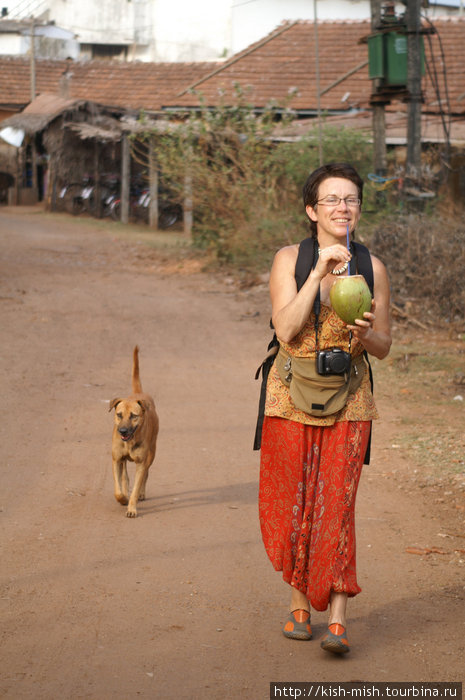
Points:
(125, 433)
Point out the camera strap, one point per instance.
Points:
(317, 302)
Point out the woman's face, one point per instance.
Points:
(336, 207)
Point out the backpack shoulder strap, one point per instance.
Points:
(264, 369)
(363, 264)
(304, 262)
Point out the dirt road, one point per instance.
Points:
(182, 601)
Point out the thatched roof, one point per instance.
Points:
(106, 130)
(41, 112)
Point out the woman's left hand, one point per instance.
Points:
(362, 327)
(372, 331)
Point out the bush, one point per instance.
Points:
(424, 260)
(246, 191)
(246, 186)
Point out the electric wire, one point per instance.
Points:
(246, 2)
(433, 75)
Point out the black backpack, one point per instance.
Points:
(360, 264)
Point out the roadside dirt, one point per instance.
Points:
(182, 601)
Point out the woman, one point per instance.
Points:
(310, 465)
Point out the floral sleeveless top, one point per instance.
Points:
(332, 332)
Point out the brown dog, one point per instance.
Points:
(135, 439)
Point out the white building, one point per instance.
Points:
(50, 41)
(181, 30)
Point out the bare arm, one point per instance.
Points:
(374, 331)
(291, 309)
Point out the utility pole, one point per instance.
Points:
(33, 59)
(33, 94)
(379, 117)
(318, 92)
(413, 168)
(125, 177)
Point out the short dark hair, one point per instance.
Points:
(314, 180)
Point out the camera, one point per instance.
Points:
(332, 361)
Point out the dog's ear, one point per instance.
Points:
(144, 405)
(113, 403)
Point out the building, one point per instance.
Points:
(281, 68)
(162, 30)
(50, 41)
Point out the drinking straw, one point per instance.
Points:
(348, 248)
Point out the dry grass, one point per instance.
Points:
(424, 380)
(425, 260)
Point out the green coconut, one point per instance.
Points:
(350, 298)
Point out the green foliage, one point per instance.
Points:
(245, 184)
(296, 160)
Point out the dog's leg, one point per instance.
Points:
(142, 486)
(120, 477)
(138, 490)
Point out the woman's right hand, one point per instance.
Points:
(330, 257)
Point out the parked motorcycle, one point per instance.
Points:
(78, 198)
(139, 204)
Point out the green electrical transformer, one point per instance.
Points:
(387, 57)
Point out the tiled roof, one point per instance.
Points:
(285, 61)
(280, 66)
(132, 86)
(285, 64)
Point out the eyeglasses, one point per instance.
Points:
(333, 201)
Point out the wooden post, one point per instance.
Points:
(33, 95)
(97, 188)
(318, 89)
(414, 88)
(188, 209)
(22, 166)
(379, 139)
(50, 194)
(378, 115)
(33, 164)
(33, 60)
(18, 177)
(125, 177)
(153, 185)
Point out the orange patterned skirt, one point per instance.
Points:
(308, 483)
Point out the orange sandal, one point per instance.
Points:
(298, 625)
(335, 639)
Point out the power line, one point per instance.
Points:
(247, 2)
(433, 75)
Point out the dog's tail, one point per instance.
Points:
(136, 385)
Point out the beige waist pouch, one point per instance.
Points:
(313, 393)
